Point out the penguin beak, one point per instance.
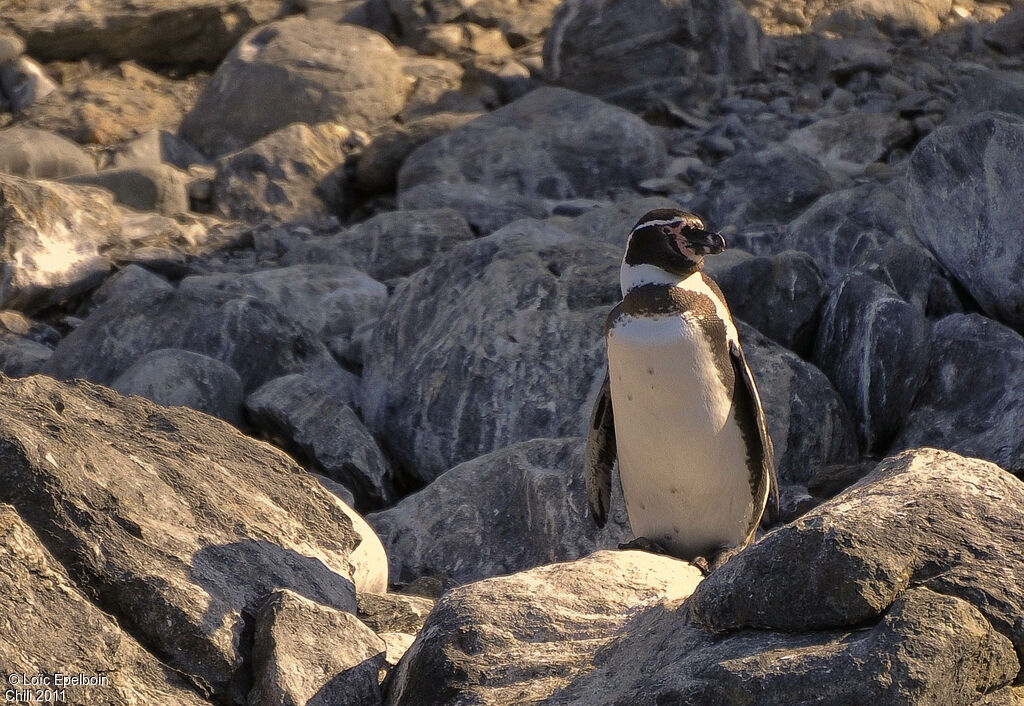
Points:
(706, 243)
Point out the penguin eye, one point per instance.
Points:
(665, 230)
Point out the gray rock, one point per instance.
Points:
(297, 71)
(848, 143)
(161, 187)
(922, 17)
(504, 512)
(522, 638)
(982, 91)
(513, 326)
(1007, 33)
(809, 424)
(866, 229)
(179, 32)
(378, 165)
(388, 246)
(252, 336)
(317, 425)
(600, 47)
(486, 209)
(37, 154)
(280, 175)
(781, 295)
(25, 83)
(372, 14)
(328, 300)
(308, 653)
(393, 612)
(912, 655)
(414, 15)
(972, 399)
(178, 378)
(11, 47)
(522, 21)
(128, 283)
(54, 237)
(550, 144)
(178, 524)
(922, 519)
(964, 184)
(771, 185)
(20, 356)
(52, 628)
(156, 147)
(874, 348)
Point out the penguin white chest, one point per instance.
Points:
(682, 458)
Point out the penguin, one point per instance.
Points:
(679, 409)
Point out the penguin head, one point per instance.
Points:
(672, 240)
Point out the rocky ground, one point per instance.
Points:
(301, 321)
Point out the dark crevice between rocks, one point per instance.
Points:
(242, 679)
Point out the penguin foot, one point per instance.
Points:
(645, 545)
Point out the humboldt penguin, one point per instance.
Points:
(679, 408)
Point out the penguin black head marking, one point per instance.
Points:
(673, 240)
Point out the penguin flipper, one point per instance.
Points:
(601, 454)
(767, 472)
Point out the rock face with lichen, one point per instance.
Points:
(272, 260)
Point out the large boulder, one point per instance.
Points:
(848, 143)
(972, 398)
(252, 336)
(51, 627)
(178, 525)
(521, 638)
(965, 184)
(550, 144)
(158, 31)
(600, 47)
(507, 511)
(160, 187)
(53, 241)
(874, 348)
(297, 71)
(499, 341)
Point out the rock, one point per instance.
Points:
(20, 356)
(372, 14)
(316, 424)
(522, 21)
(963, 187)
(306, 653)
(178, 524)
(772, 185)
(25, 83)
(522, 638)
(156, 147)
(981, 91)
(378, 165)
(1007, 33)
(393, 612)
(504, 512)
(297, 71)
(846, 144)
(129, 283)
(809, 424)
(111, 105)
(922, 17)
(328, 300)
(923, 519)
(54, 236)
(280, 175)
(513, 325)
(866, 229)
(51, 628)
(601, 47)
(159, 188)
(11, 47)
(37, 154)
(388, 246)
(178, 378)
(971, 399)
(461, 40)
(190, 31)
(612, 223)
(486, 209)
(439, 86)
(781, 295)
(550, 144)
(874, 348)
(252, 336)
(909, 656)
